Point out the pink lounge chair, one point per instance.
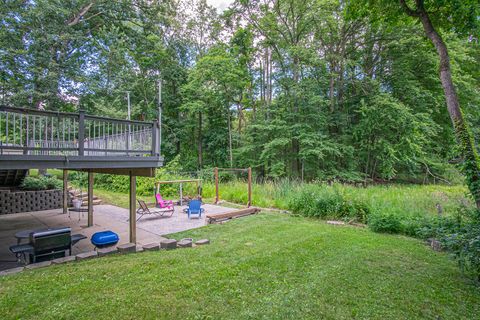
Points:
(143, 210)
(163, 204)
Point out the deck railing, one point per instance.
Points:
(37, 132)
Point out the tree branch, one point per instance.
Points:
(408, 10)
(76, 19)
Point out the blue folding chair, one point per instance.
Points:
(194, 207)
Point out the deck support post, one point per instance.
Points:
(90, 199)
(217, 198)
(65, 191)
(133, 206)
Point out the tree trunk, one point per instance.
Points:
(471, 166)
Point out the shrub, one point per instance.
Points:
(461, 237)
(465, 246)
(388, 223)
(326, 202)
(41, 183)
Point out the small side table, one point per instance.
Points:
(79, 210)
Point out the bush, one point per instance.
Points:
(327, 202)
(388, 223)
(464, 243)
(41, 183)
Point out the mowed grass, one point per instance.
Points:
(269, 266)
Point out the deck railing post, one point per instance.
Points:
(128, 138)
(155, 138)
(81, 132)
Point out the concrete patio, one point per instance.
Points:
(106, 217)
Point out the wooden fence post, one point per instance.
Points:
(217, 198)
(249, 186)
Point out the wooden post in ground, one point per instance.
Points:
(90, 199)
(217, 198)
(249, 186)
(133, 207)
(181, 194)
(65, 191)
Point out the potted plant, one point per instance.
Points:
(77, 203)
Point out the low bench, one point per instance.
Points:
(218, 217)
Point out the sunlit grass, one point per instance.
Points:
(269, 266)
(415, 200)
(405, 200)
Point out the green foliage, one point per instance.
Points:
(145, 185)
(464, 244)
(308, 90)
(471, 161)
(387, 223)
(41, 183)
(391, 136)
(328, 202)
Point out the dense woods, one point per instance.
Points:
(303, 89)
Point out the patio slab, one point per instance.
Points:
(105, 217)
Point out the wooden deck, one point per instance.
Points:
(44, 139)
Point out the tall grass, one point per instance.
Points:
(411, 200)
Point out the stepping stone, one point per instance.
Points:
(63, 260)
(151, 247)
(139, 249)
(106, 251)
(127, 248)
(38, 265)
(185, 243)
(336, 223)
(11, 271)
(202, 242)
(87, 255)
(168, 244)
(436, 245)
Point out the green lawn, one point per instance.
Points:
(271, 266)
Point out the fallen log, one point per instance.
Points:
(217, 217)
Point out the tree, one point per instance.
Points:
(471, 165)
(457, 16)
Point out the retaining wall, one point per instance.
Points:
(26, 201)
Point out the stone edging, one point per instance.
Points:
(167, 244)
